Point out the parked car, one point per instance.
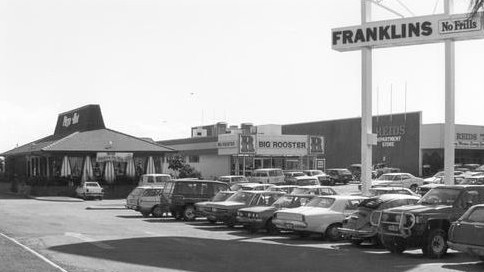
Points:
(90, 189)
(355, 170)
(425, 225)
(467, 233)
(260, 217)
(324, 179)
(203, 208)
(148, 202)
(233, 179)
(323, 215)
(179, 197)
(314, 190)
(226, 211)
(305, 181)
(474, 180)
(437, 178)
(339, 175)
(405, 180)
(423, 189)
(357, 227)
(282, 188)
(250, 186)
(132, 200)
(268, 175)
(376, 191)
(153, 179)
(289, 176)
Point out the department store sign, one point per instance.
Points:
(469, 140)
(113, 156)
(408, 31)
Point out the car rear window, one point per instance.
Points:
(92, 184)
(321, 202)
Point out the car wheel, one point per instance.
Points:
(332, 233)
(252, 229)
(394, 244)
(145, 214)
(436, 245)
(356, 242)
(270, 227)
(413, 187)
(84, 196)
(176, 214)
(212, 221)
(189, 213)
(303, 234)
(157, 211)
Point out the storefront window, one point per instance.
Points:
(76, 166)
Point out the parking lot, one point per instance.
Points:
(102, 236)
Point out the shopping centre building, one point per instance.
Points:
(402, 142)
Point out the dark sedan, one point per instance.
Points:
(260, 217)
(467, 233)
(226, 211)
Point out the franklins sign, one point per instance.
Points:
(408, 31)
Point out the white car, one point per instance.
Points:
(405, 180)
(90, 189)
(233, 179)
(439, 175)
(323, 214)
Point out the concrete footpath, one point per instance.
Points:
(15, 257)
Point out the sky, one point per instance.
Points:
(159, 67)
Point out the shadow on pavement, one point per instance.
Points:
(465, 267)
(212, 255)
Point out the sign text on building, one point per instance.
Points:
(408, 31)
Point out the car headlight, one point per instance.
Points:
(419, 219)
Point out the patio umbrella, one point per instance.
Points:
(150, 168)
(87, 172)
(66, 167)
(109, 174)
(130, 171)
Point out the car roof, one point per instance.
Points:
(389, 197)
(252, 184)
(343, 196)
(305, 177)
(232, 176)
(157, 175)
(315, 186)
(198, 180)
(265, 169)
(284, 186)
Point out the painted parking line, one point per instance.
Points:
(34, 252)
(89, 240)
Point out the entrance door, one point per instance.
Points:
(258, 163)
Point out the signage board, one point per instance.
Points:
(247, 143)
(295, 145)
(408, 31)
(113, 156)
(81, 119)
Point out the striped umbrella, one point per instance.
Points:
(130, 171)
(87, 172)
(109, 175)
(66, 167)
(150, 168)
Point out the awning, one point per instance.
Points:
(87, 172)
(109, 175)
(150, 168)
(66, 167)
(130, 171)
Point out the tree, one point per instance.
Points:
(188, 171)
(176, 162)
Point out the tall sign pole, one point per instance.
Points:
(449, 130)
(366, 107)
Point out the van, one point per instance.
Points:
(132, 201)
(268, 175)
(153, 179)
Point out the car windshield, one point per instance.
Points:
(289, 201)
(345, 172)
(387, 177)
(473, 181)
(440, 195)
(321, 202)
(371, 203)
(221, 196)
(92, 184)
(260, 174)
(224, 179)
(307, 181)
(136, 192)
(244, 197)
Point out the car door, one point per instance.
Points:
(469, 229)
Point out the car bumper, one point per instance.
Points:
(253, 222)
(353, 233)
(469, 249)
(290, 225)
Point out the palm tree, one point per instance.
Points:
(475, 6)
